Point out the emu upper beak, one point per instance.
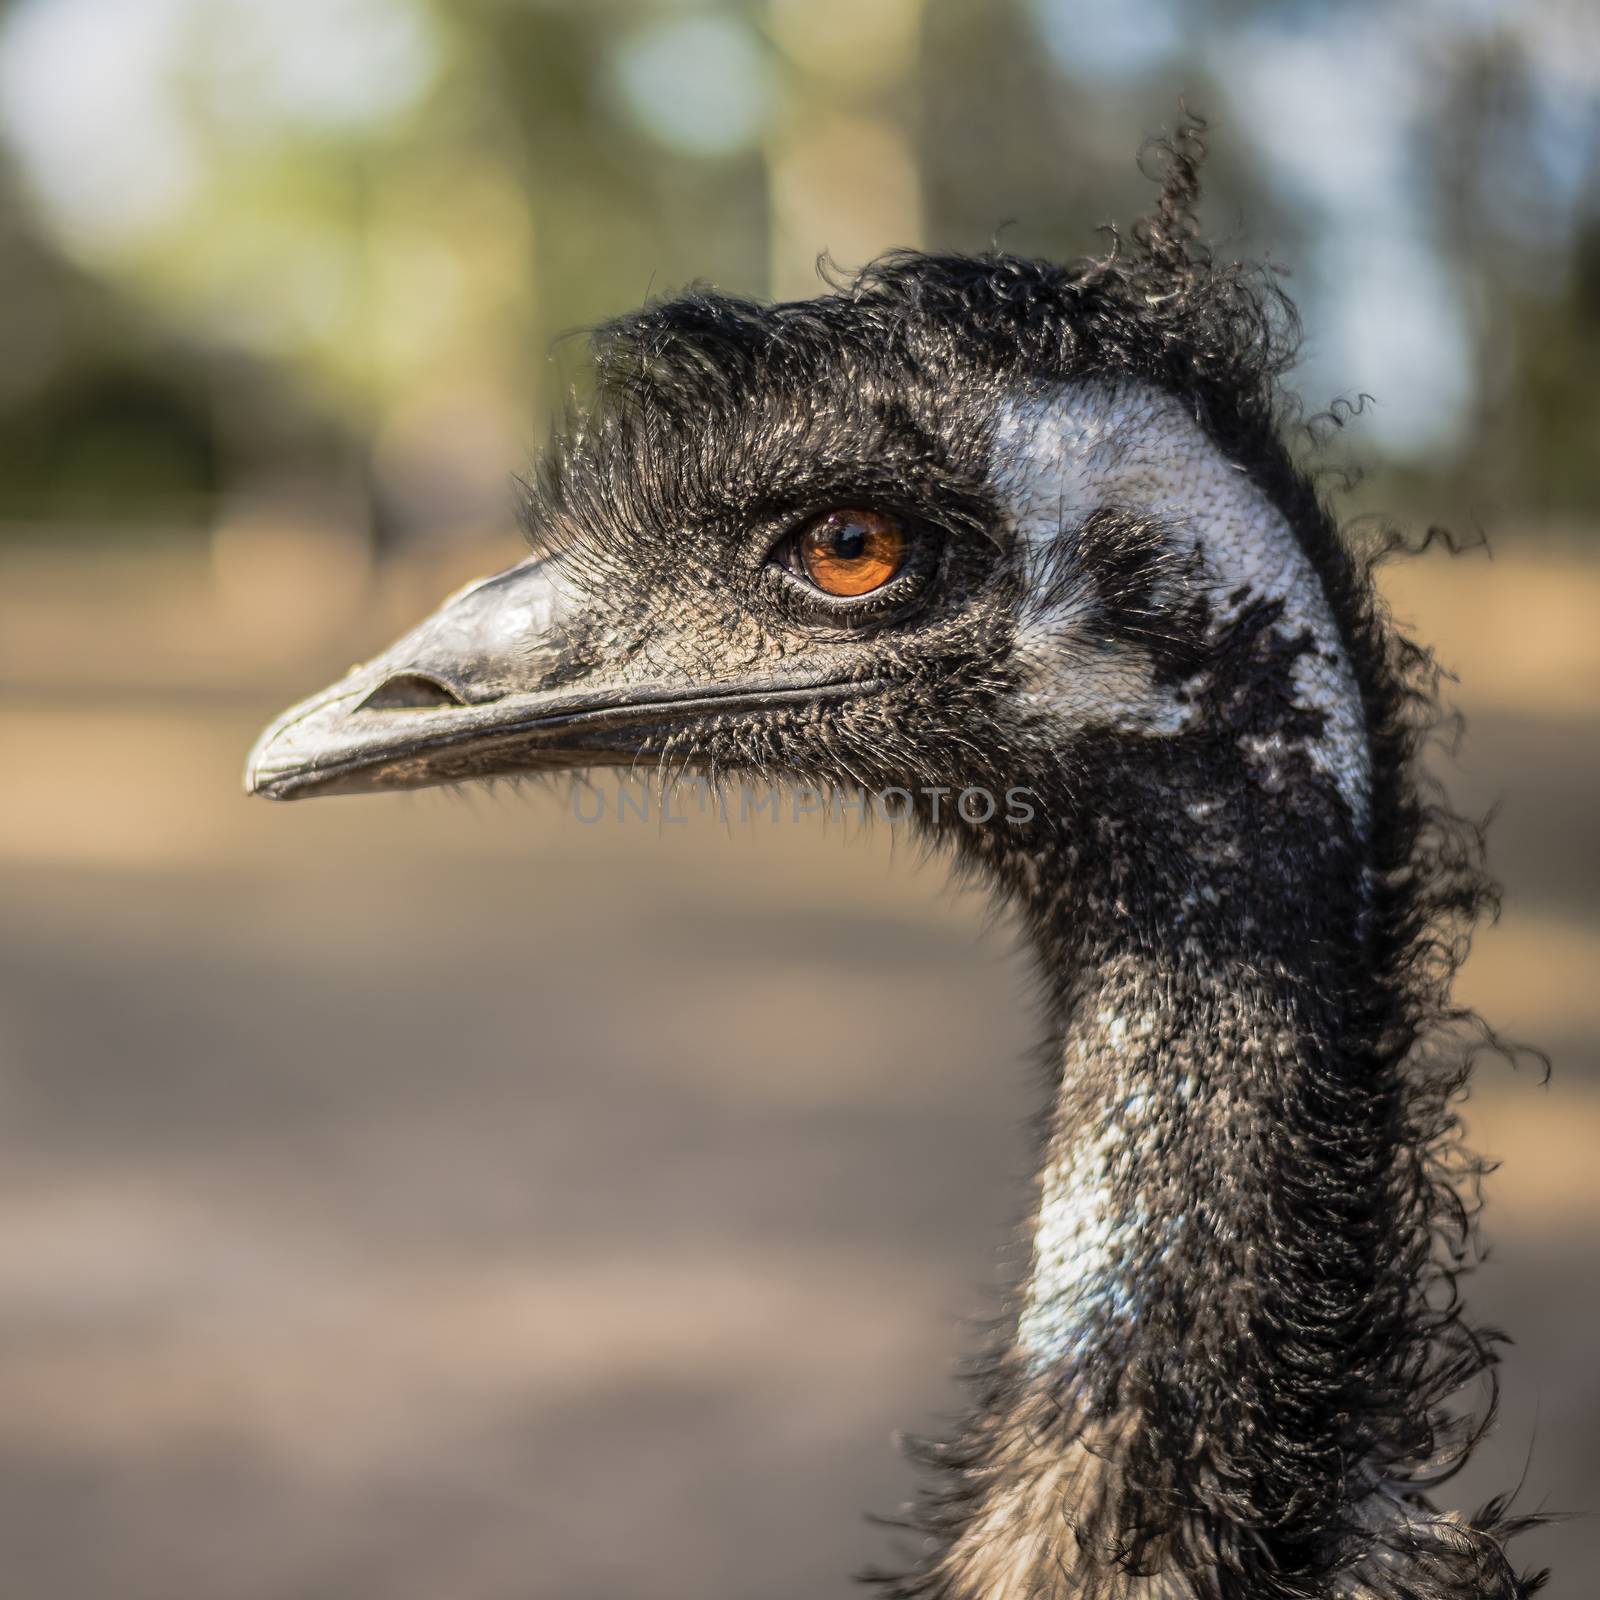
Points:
(487, 685)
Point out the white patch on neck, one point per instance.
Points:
(1091, 1224)
(1063, 453)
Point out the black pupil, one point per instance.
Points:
(849, 541)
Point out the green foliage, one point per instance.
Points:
(407, 279)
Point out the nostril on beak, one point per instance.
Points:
(411, 691)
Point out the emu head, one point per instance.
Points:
(962, 522)
(997, 524)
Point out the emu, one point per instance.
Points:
(999, 524)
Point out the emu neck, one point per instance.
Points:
(1221, 1271)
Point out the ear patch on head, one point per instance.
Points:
(1095, 476)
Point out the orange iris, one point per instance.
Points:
(852, 552)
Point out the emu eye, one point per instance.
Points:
(851, 552)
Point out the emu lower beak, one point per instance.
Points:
(488, 685)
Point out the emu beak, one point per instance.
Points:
(489, 685)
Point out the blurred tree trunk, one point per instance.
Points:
(842, 170)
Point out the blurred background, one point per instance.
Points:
(412, 1198)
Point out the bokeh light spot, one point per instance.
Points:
(701, 85)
